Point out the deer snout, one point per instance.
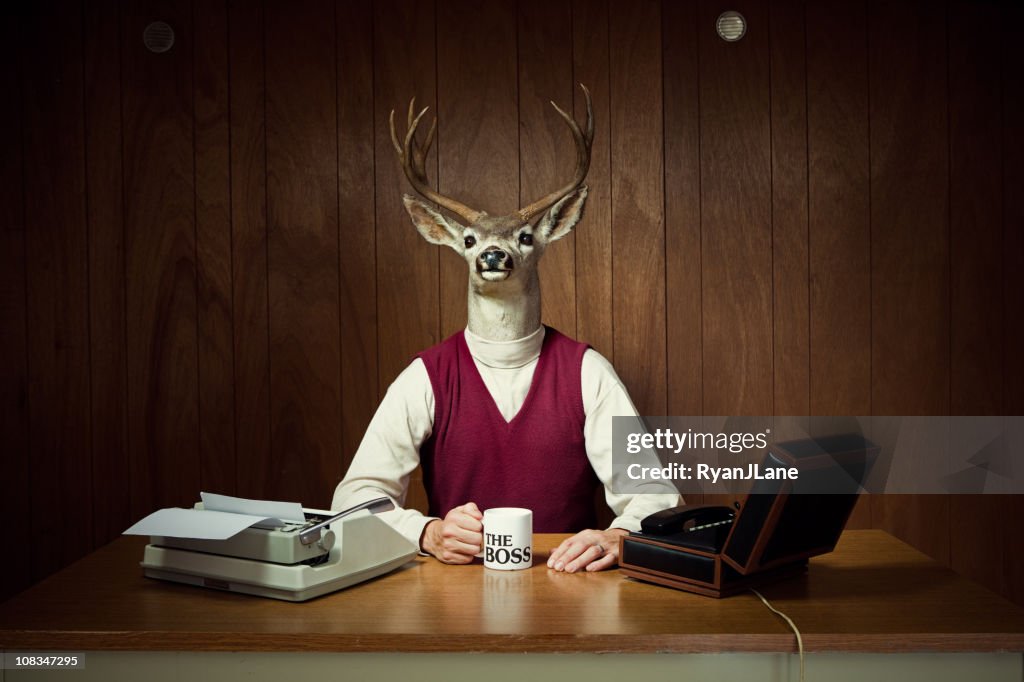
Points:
(493, 259)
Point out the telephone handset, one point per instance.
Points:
(674, 520)
(700, 526)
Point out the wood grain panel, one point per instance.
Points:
(357, 239)
(790, 279)
(683, 275)
(15, 455)
(160, 272)
(478, 125)
(56, 261)
(107, 357)
(302, 248)
(547, 155)
(736, 205)
(12, 73)
(638, 220)
(407, 267)
(976, 277)
(909, 242)
(791, 166)
(249, 248)
(839, 237)
(1012, 80)
(213, 250)
(839, 210)
(1012, 88)
(593, 235)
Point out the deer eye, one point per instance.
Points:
(526, 239)
(470, 241)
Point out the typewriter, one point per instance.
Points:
(294, 561)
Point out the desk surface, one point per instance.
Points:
(874, 593)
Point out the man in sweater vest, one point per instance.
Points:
(507, 413)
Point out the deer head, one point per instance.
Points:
(502, 252)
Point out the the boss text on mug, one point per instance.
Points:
(498, 549)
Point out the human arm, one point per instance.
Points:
(605, 397)
(387, 456)
(390, 451)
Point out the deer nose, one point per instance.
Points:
(492, 260)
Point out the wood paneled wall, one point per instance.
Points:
(208, 280)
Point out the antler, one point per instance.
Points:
(413, 158)
(584, 140)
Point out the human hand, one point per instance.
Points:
(593, 550)
(456, 539)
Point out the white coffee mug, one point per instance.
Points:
(508, 538)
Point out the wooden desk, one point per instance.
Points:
(873, 594)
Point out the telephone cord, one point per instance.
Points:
(792, 626)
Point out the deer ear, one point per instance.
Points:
(563, 216)
(434, 227)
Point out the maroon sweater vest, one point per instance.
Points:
(538, 460)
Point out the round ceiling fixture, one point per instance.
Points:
(731, 26)
(158, 37)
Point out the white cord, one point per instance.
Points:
(793, 627)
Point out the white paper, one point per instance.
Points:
(288, 511)
(201, 524)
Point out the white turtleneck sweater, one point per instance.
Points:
(390, 450)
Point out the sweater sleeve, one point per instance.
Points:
(390, 451)
(604, 397)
